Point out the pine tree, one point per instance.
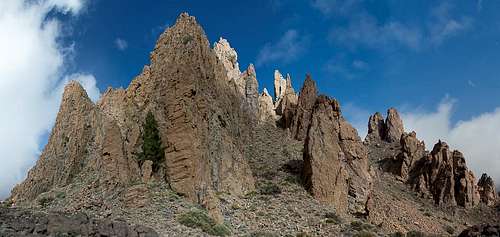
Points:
(151, 146)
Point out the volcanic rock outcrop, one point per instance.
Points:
(487, 191)
(335, 160)
(444, 175)
(389, 130)
(266, 108)
(302, 117)
(411, 150)
(202, 125)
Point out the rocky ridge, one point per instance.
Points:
(252, 163)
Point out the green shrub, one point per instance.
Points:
(449, 229)
(333, 218)
(196, 218)
(269, 188)
(45, 201)
(151, 147)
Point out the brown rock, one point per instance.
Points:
(335, 161)
(394, 125)
(487, 191)
(266, 108)
(443, 175)
(136, 196)
(251, 91)
(279, 87)
(147, 171)
(411, 150)
(302, 117)
(376, 127)
(287, 105)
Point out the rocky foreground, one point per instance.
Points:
(234, 161)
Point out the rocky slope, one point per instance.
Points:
(237, 162)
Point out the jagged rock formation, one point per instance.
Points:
(487, 191)
(14, 223)
(412, 150)
(444, 175)
(287, 105)
(376, 127)
(251, 91)
(202, 125)
(335, 160)
(389, 130)
(266, 108)
(279, 87)
(229, 59)
(302, 117)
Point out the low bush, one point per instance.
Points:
(196, 218)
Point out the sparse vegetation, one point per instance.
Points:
(361, 226)
(450, 230)
(196, 218)
(397, 234)
(269, 188)
(152, 146)
(45, 201)
(415, 233)
(333, 218)
(263, 234)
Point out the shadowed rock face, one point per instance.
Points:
(376, 127)
(444, 175)
(302, 117)
(335, 160)
(202, 125)
(411, 150)
(487, 190)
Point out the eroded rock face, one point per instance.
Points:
(251, 91)
(389, 130)
(376, 127)
(288, 105)
(279, 87)
(394, 125)
(411, 150)
(302, 116)
(487, 190)
(228, 57)
(335, 161)
(202, 125)
(443, 175)
(266, 108)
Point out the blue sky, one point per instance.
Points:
(436, 61)
(368, 54)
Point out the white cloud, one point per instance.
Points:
(32, 66)
(443, 25)
(121, 44)
(477, 138)
(287, 49)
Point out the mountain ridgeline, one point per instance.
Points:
(192, 140)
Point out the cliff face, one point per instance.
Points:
(202, 125)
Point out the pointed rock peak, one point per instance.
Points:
(228, 57)
(185, 18)
(75, 91)
(376, 127)
(265, 93)
(251, 70)
(440, 146)
(487, 192)
(309, 84)
(279, 85)
(324, 100)
(394, 125)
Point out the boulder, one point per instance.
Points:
(302, 116)
(487, 191)
(336, 168)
